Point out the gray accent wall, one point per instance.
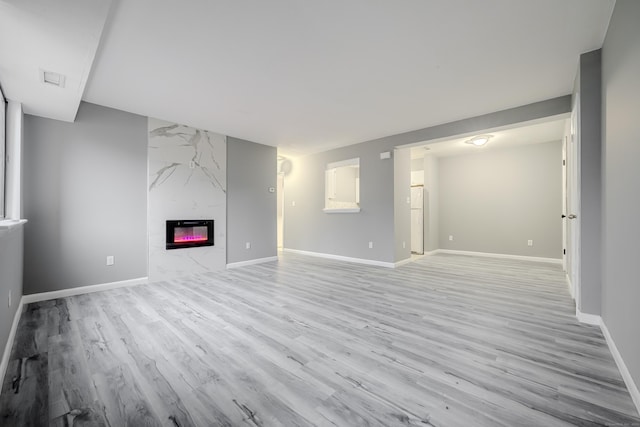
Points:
(85, 196)
(588, 84)
(496, 200)
(251, 208)
(621, 147)
(11, 258)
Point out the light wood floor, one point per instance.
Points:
(444, 341)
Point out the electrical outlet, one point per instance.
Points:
(408, 200)
(111, 260)
(247, 245)
(9, 302)
(404, 245)
(450, 237)
(529, 242)
(293, 203)
(370, 245)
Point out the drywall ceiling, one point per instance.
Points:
(59, 36)
(534, 133)
(312, 75)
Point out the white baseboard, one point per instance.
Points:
(572, 292)
(343, 258)
(594, 319)
(44, 296)
(589, 319)
(492, 255)
(402, 262)
(622, 367)
(251, 262)
(9, 344)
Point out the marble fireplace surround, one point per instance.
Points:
(186, 180)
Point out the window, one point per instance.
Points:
(342, 186)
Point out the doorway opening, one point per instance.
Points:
(501, 198)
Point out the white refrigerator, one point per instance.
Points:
(417, 219)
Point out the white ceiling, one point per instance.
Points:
(43, 35)
(308, 75)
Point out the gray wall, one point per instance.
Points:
(251, 208)
(85, 197)
(588, 83)
(308, 228)
(621, 137)
(402, 209)
(11, 257)
(496, 200)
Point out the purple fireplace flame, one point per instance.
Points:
(189, 233)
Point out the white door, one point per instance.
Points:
(565, 196)
(572, 202)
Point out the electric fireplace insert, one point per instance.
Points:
(189, 233)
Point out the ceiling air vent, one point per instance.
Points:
(51, 78)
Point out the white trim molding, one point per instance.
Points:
(492, 255)
(251, 262)
(572, 291)
(44, 296)
(589, 319)
(4, 364)
(402, 262)
(13, 172)
(632, 387)
(341, 210)
(343, 258)
(8, 224)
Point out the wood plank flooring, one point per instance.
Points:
(445, 341)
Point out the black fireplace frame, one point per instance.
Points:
(173, 224)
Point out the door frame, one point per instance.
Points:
(572, 228)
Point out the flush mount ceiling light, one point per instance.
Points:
(52, 78)
(479, 140)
